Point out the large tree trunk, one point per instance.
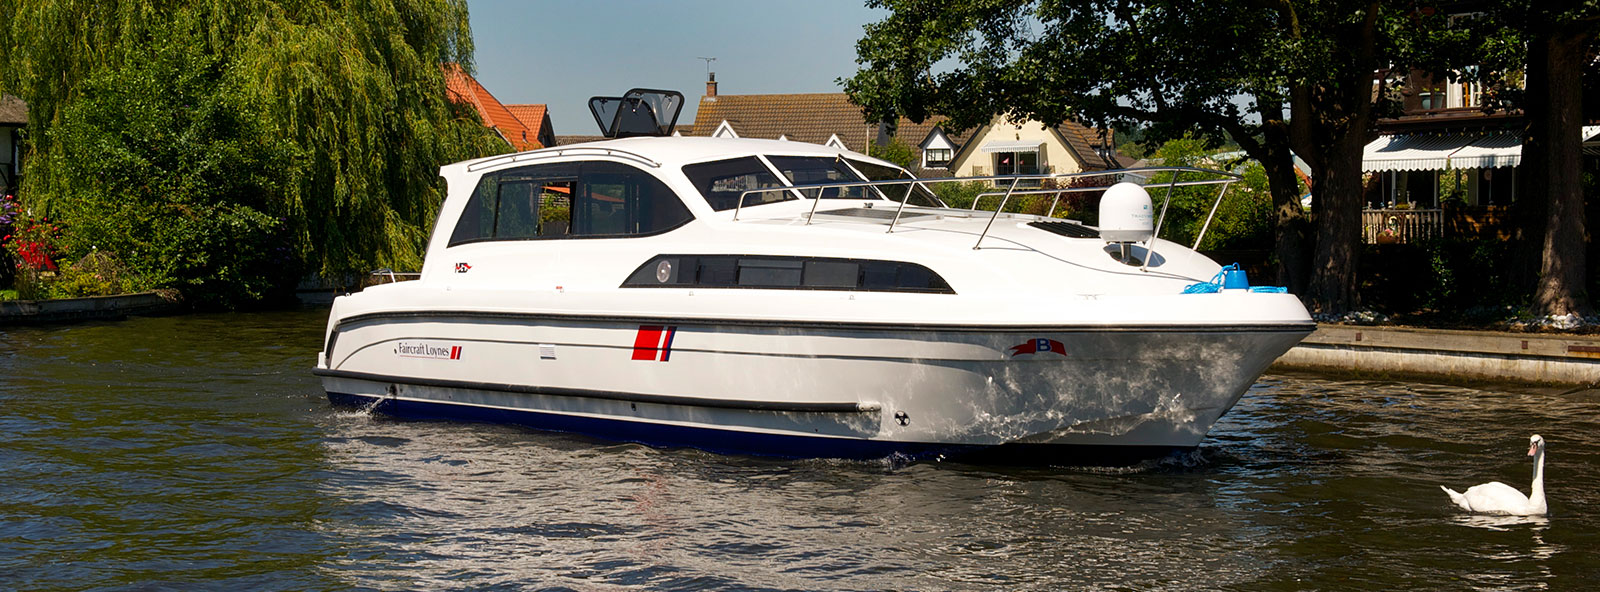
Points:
(1336, 189)
(1290, 224)
(1331, 124)
(1552, 137)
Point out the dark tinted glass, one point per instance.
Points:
(808, 170)
(779, 272)
(569, 200)
(521, 203)
(878, 172)
(723, 181)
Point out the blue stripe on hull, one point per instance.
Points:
(737, 442)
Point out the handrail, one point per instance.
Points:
(1223, 178)
(996, 214)
(559, 152)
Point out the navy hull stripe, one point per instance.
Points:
(737, 442)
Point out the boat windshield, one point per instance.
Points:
(809, 170)
(722, 182)
(920, 195)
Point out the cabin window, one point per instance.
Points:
(723, 181)
(786, 273)
(568, 200)
(809, 170)
(878, 172)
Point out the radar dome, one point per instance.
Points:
(1125, 214)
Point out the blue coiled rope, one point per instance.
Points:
(1215, 285)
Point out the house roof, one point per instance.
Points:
(570, 140)
(533, 116)
(462, 88)
(1083, 142)
(13, 111)
(805, 117)
(815, 117)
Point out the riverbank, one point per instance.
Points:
(66, 310)
(1544, 358)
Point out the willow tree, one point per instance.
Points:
(354, 88)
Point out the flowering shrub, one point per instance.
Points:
(33, 243)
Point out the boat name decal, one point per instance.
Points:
(653, 342)
(463, 267)
(427, 350)
(1039, 346)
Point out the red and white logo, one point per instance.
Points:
(1039, 346)
(463, 267)
(653, 342)
(432, 351)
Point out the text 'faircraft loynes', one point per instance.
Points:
(782, 298)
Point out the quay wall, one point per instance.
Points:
(1452, 355)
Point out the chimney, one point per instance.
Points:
(711, 84)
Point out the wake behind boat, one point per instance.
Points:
(782, 298)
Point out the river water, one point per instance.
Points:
(197, 452)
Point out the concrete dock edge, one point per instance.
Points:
(1454, 355)
(66, 310)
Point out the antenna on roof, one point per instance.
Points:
(708, 64)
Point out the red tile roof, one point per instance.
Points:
(463, 88)
(537, 118)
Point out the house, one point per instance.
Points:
(13, 117)
(522, 135)
(537, 119)
(1444, 148)
(830, 119)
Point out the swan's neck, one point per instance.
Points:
(1537, 497)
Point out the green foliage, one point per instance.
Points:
(960, 194)
(223, 147)
(96, 274)
(1458, 279)
(1243, 218)
(895, 151)
(175, 168)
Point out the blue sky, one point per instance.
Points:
(562, 53)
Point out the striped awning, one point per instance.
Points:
(1022, 146)
(1495, 150)
(1412, 152)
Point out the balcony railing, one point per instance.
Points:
(1401, 226)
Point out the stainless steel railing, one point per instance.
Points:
(1011, 182)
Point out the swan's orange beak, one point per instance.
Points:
(1533, 449)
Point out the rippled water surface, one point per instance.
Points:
(197, 452)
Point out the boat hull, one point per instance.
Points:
(1066, 394)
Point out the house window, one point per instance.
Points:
(1016, 163)
(936, 157)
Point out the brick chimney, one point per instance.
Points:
(711, 84)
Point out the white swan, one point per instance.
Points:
(1499, 498)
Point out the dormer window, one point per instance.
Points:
(937, 150)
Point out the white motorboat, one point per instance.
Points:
(782, 298)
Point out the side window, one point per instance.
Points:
(619, 200)
(877, 172)
(568, 200)
(786, 273)
(723, 181)
(811, 170)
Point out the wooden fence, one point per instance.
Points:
(1401, 226)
